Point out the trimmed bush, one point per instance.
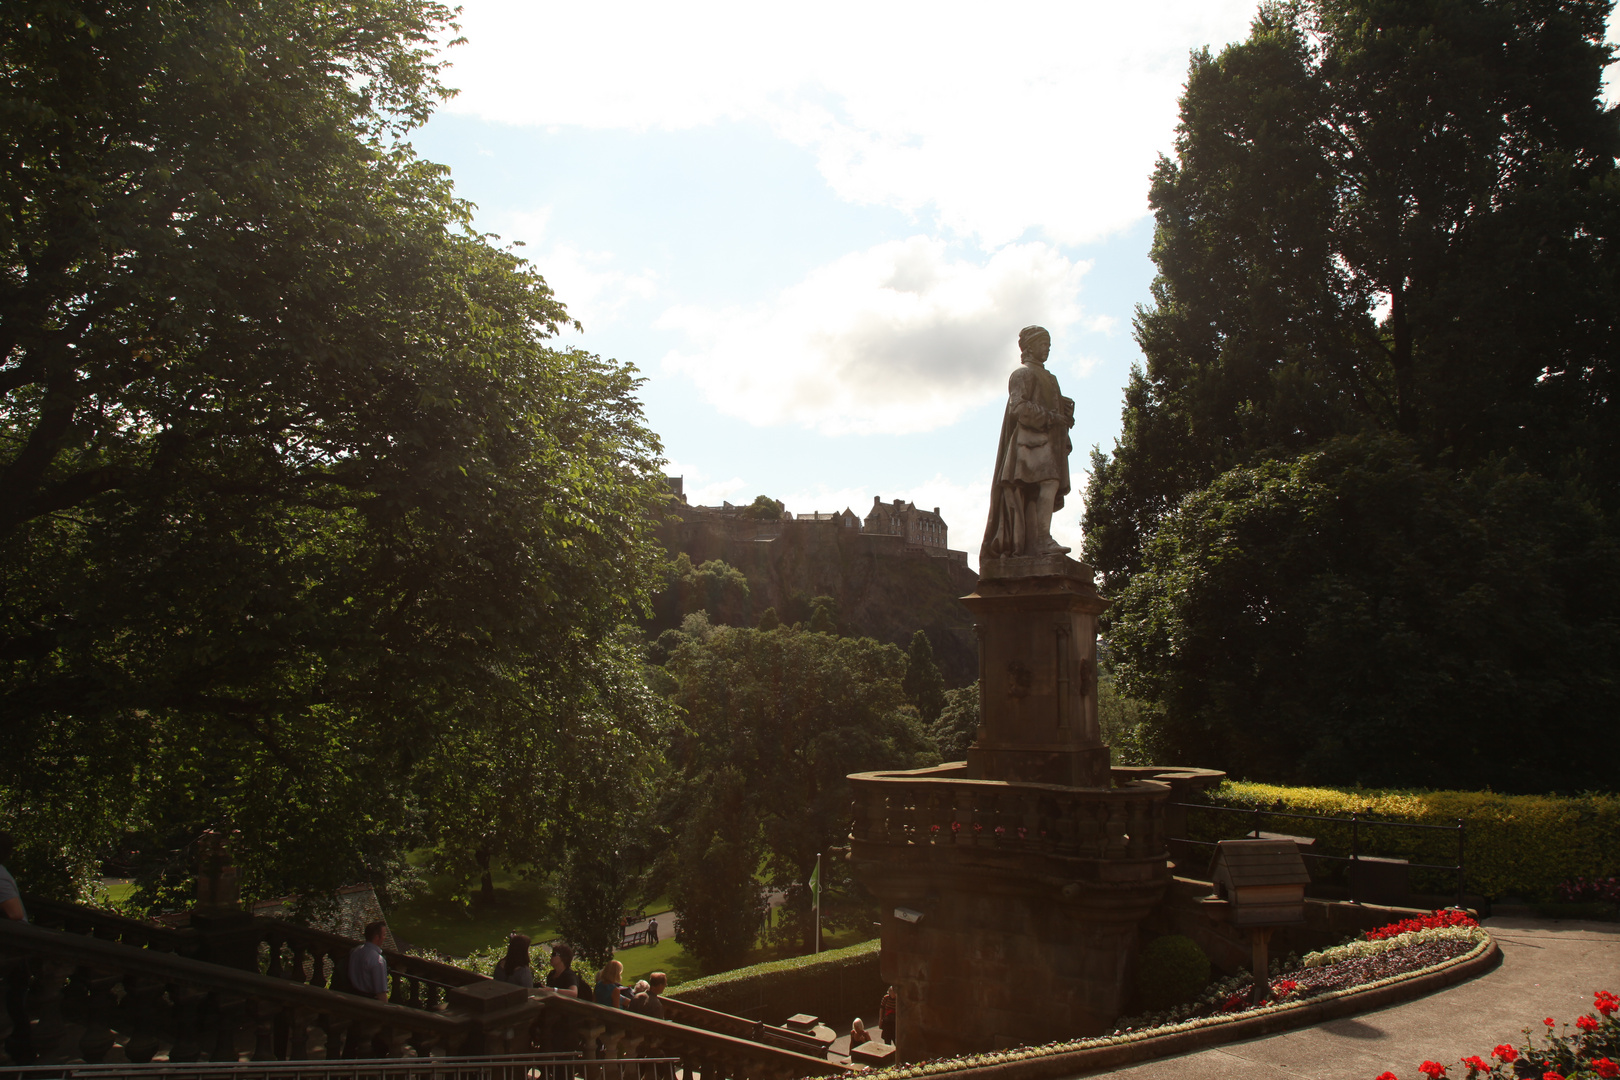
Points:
(837, 986)
(1523, 845)
(1170, 971)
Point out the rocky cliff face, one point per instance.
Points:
(883, 592)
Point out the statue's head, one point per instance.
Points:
(1034, 343)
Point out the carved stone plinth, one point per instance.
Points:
(1010, 910)
(1012, 885)
(1037, 623)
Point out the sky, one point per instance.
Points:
(816, 230)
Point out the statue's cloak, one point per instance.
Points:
(998, 535)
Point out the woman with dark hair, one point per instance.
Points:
(514, 966)
(562, 977)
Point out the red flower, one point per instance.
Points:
(1506, 1053)
(933, 828)
(1551, 1076)
(977, 826)
(1586, 1023)
(1432, 1069)
(1606, 1002)
(1387, 1076)
(1606, 1068)
(1550, 1022)
(1284, 986)
(1476, 1064)
(956, 826)
(1001, 830)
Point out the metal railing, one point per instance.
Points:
(1355, 821)
(493, 1067)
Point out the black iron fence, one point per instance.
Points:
(1256, 816)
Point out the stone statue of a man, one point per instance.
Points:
(1032, 458)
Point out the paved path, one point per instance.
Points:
(1549, 968)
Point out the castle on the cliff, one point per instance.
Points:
(919, 532)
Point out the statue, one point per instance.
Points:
(1032, 458)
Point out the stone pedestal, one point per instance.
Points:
(1012, 885)
(1037, 624)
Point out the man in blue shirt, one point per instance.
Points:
(11, 905)
(368, 968)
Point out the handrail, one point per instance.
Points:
(343, 1066)
(109, 955)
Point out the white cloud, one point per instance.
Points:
(997, 120)
(591, 285)
(898, 338)
(704, 489)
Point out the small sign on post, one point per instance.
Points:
(1263, 883)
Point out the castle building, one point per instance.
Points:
(919, 528)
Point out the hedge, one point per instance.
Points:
(837, 986)
(1521, 845)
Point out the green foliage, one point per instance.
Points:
(1124, 725)
(304, 524)
(714, 587)
(765, 508)
(1388, 237)
(1523, 845)
(1170, 971)
(924, 686)
(775, 721)
(824, 615)
(769, 620)
(832, 984)
(1352, 617)
(957, 725)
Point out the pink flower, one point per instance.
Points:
(1021, 832)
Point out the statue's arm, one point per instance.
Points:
(1026, 410)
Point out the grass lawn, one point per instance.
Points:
(674, 961)
(433, 919)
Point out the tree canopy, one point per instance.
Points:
(774, 721)
(304, 522)
(1388, 265)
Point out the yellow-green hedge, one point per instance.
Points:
(1521, 845)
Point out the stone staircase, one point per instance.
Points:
(99, 988)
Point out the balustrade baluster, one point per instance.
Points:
(187, 1002)
(396, 988)
(52, 1040)
(414, 999)
(142, 1016)
(99, 1016)
(229, 1010)
(273, 966)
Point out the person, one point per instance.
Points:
(1032, 457)
(886, 1010)
(11, 905)
(858, 1033)
(368, 967)
(562, 977)
(651, 1003)
(514, 966)
(609, 992)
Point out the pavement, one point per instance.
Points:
(1549, 968)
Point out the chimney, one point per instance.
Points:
(936, 511)
(877, 499)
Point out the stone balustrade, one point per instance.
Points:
(931, 813)
(99, 980)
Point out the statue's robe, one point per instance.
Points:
(1033, 448)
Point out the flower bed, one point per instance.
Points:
(1062, 1059)
(1409, 945)
(1587, 1053)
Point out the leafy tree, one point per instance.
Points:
(769, 620)
(775, 723)
(765, 508)
(957, 725)
(302, 518)
(1389, 229)
(924, 686)
(714, 586)
(824, 615)
(1429, 630)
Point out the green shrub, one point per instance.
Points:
(1171, 971)
(1522, 845)
(837, 986)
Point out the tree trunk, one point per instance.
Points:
(486, 880)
